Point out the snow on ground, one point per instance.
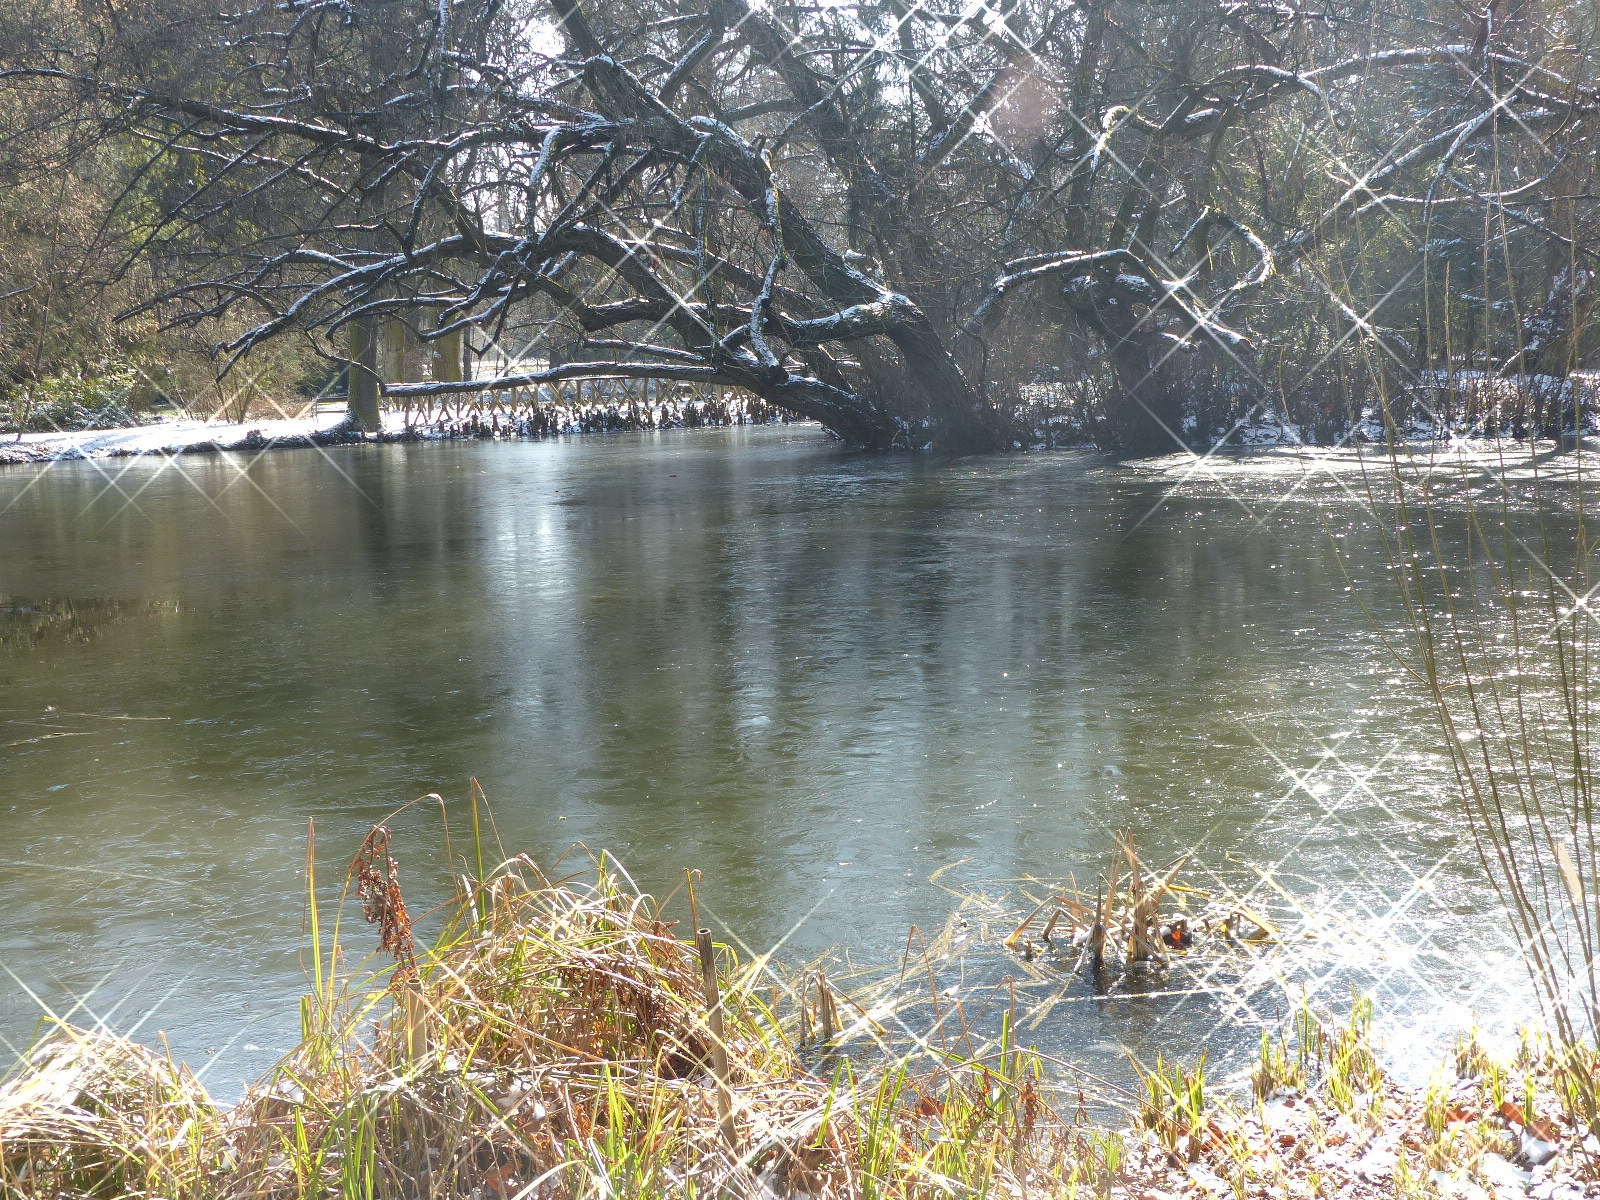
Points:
(503, 417)
(1265, 430)
(177, 436)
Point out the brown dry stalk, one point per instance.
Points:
(377, 877)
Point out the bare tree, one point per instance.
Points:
(890, 217)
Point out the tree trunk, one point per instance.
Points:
(448, 364)
(361, 410)
(911, 400)
(1145, 417)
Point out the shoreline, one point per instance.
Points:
(216, 437)
(169, 437)
(326, 427)
(561, 1035)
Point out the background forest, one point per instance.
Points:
(953, 223)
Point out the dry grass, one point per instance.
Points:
(95, 1115)
(555, 1042)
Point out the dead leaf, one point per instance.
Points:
(500, 1181)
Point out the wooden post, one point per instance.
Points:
(414, 1013)
(719, 1047)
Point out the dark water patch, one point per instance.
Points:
(27, 624)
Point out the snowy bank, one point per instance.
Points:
(186, 437)
(326, 428)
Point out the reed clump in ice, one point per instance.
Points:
(1121, 921)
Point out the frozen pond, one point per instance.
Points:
(817, 676)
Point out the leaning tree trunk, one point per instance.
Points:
(960, 420)
(1145, 415)
(904, 397)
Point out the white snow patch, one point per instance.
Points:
(174, 437)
